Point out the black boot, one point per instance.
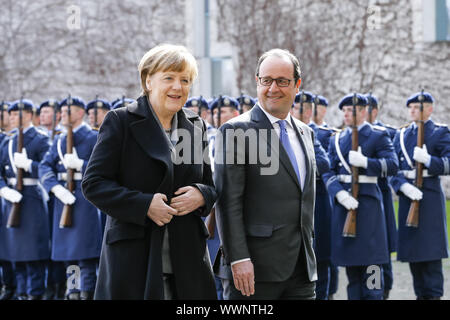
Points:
(60, 289)
(32, 297)
(6, 293)
(49, 292)
(87, 295)
(73, 296)
(386, 294)
(22, 296)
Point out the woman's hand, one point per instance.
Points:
(187, 200)
(159, 211)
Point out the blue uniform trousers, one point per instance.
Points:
(428, 279)
(88, 275)
(388, 275)
(358, 289)
(334, 279)
(7, 274)
(30, 277)
(323, 280)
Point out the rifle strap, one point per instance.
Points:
(402, 145)
(339, 153)
(60, 154)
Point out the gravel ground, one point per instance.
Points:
(402, 288)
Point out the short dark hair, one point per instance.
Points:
(281, 53)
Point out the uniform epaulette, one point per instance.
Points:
(325, 128)
(381, 128)
(42, 132)
(58, 132)
(440, 124)
(390, 126)
(404, 126)
(95, 128)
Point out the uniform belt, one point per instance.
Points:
(26, 181)
(411, 174)
(76, 176)
(346, 178)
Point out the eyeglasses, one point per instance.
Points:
(267, 81)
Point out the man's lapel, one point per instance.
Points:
(302, 135)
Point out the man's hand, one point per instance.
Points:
(187, 200)
(411, 191)
(21, 160)
(345, 199)
(422, 155)
(244, 277)
(10, 194)
(357, 159)
(72, 161)
(64, 195)
(159, 211)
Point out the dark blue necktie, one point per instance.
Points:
(284, 138)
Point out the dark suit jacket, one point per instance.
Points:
(265, 217)
(129, 164)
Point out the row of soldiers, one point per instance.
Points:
(36, 255)
(386, 161)
(36, 251)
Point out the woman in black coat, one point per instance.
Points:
(148, 175)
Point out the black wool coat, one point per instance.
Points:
(129, 164)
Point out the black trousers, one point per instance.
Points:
(296, 287)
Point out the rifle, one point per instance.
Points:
(53, 105)
(96, 106)
(14, 213)
(316, 102)
(350, 221)
(219, 106)
(199, 112)
(66, 215)
(241, 103)
(412, 220)
(370, 109)
(302, 98)
(1, 116)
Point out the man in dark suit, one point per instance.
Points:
(265, 209)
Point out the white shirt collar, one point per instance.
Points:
(273, 119)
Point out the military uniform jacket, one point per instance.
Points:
(29, 241)
(323, 209)
(83, 239)
(428, 241)
(370, 244)
(130, 163)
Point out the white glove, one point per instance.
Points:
(422, 155)
(411, 191)
(71, 160)
(63, 194)
(10, 194)
(357, 159)
(347, 200)
(21, 160)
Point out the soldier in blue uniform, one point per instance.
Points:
(388, 202)
(246, 103)
(7, 276)
(27, 245)
(199, 105)
(96, 111)
(322, 209)
(50, 117)
(424, 246)
(79, 244)
(119, 103)
(375, 158)
(321, 106)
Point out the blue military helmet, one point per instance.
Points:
(76, 101)
(322, 101)
(27, 105)
(361, 100)
(307, 97)
(246, 99)
(372, 101)
(51, 103)
(100, 103)
(122, 103)
(226, 102)
(427, 98)
(196, 102)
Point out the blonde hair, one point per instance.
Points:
(167, 57)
